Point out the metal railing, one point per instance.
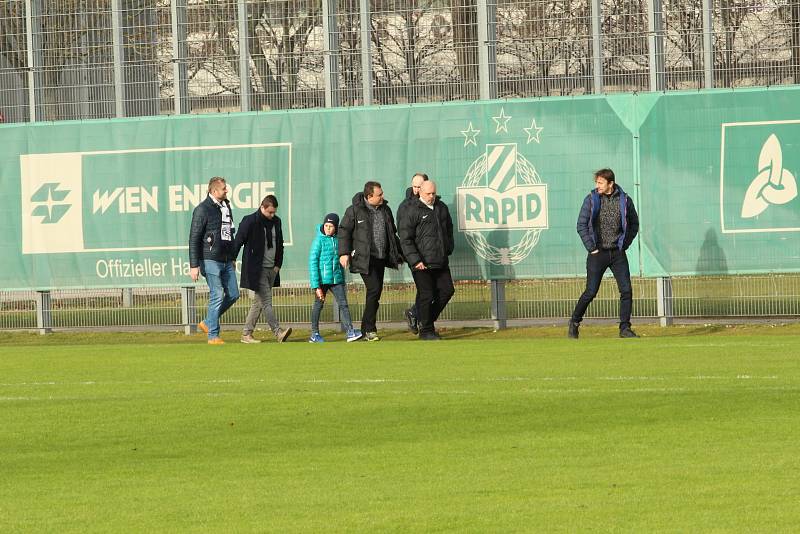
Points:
(667, 299)
(67, 59)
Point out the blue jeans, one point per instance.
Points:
(340, 292)
(596, 265)
(223, 292)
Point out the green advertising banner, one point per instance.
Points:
(719, 183)
(713, 175)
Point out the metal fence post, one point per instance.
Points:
(597, 47)
(127, 297)
(44, 315)
(366, 53)
(487, 53)
(33, 30)
(664, 298)
(655, 41)
(118, 54)
(180, 53)
(499, 315)
(708, 45)
(244, 57)
(330, 58)
(189, 310)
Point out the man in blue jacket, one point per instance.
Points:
(607, 224)
(212, 252)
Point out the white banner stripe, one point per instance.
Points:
(502, 174)
(494, 155)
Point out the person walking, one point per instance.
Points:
(327, 274)
(607, 225)
(368, 244)
(426, 236)
(261, 236)
(412, 194)
(212, 254)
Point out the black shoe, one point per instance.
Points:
(627, 332)
(429, 336)
(412, 321)
(572, 333)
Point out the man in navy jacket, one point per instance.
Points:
(607, 224)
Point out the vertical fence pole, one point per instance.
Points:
(487, 54)
(244, 57)
(188, 310)
(708, 44)
(330, 57)
(499, 315)
(127, 297)
(597, 48)
(117, 53)
(655, 32)
(366, 52)
(664, 298)
(180, 53)
(33, 30)
(44, 315)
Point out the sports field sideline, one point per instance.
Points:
(686, 429)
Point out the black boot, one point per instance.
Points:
(572, 333)
(627, 332)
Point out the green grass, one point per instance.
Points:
(687, 429)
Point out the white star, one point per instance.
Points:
(470, 134)
(533, 132)
(501, 121)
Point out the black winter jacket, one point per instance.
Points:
(205, 240)
(588, 220)
(426, 235)
(251, 236)
(355, 235)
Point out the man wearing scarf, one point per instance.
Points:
(261, 236)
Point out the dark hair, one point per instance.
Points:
(369, 188)
(268, 201)
(608, 174)
(214, 180)
(424, 176)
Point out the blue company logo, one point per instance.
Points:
(49, 203)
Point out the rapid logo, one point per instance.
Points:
(502, 202)
(758, 188)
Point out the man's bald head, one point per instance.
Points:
(427, 192)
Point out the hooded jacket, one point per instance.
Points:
(426, 235)
(588, 220)
(323, 260)
(355, 235)
(252, 236)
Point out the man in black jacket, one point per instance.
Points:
(211, 252)
(368, 244)
(607, 224)
(412, 194)
(426, 236)
(261, 235)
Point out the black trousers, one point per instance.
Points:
(373, 281)
(434, 291)
(596, 265)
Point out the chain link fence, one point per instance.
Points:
(84, 59)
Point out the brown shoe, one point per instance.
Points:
(250, 339)
(202, 327)
(216, 341)
(283, 335)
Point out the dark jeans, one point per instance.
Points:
(340, 293)
(434, 291)
(596, 265)
(373, 281)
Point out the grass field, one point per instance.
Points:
(687, 429)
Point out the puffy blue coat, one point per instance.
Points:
(323, 261)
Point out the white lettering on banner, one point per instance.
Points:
(134, 199)
(180, 267)
(117, 268)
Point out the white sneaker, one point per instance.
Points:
(250, 339)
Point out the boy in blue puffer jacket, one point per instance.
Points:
(327, 274)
